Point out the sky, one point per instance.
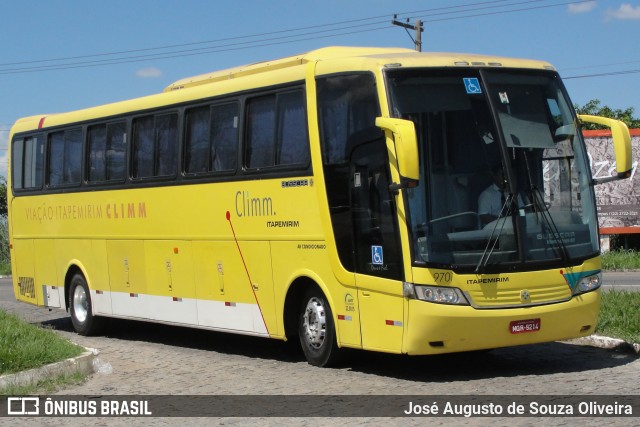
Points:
(62, 55)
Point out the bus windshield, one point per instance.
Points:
(504, 176)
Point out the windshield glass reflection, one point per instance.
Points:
(504, 174)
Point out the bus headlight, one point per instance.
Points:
(436, 294)
(588, 284)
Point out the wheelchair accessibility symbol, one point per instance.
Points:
(472, 85)
(376, 255)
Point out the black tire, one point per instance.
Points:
(316, 330)
(80, 308)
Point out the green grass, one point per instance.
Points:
(24, 346)
(621, 260)
(620, 315)
(45, 386)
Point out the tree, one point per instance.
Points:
(5, 253)
(3, 196)
(593, 108)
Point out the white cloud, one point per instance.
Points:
(585, 7)
(149, 73)
(625, 11)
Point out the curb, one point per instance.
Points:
(607, 343)
(83, 364)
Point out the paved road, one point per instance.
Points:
(628, 281)
(143, 359)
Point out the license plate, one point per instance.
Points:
(522, 326)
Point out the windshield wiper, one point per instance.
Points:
(491, 242)
(541, 207)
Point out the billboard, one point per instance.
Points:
(618, 202)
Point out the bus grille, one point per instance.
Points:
(27, 288)
(502, 298)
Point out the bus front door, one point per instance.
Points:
(378, 259)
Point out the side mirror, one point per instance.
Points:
(406, 148)
(621, 144)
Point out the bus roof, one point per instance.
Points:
(407, 57)
(366, 58)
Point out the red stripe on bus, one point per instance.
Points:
(246, 269)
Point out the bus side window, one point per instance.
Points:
(155, 141)
(97, 140)
(116, 151)
(293, 142)
(28, 162)
(107, 152)
(260, 132)
(166, 156)
(65, 157)
(224, 137)
(143, 147)
(277, 131)
(197, 140)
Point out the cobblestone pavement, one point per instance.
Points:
(146, 359)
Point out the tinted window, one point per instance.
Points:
(348, 108)
(97, 142)
(116, 151)
(277, 131)
(260, 132)
(28, 162)
(224, 135)
(212, 139)
(293, 145)
(155, 142)
(65, 157)
(107, 152)
(166, 153)
(197, 140)
(143, 147)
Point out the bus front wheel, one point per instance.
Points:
(84, 322)
(316, 330)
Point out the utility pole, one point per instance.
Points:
(418, 28)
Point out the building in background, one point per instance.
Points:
(618, 202)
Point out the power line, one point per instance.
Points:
(199, 51)
(586, 67)
(612, 73)
(500, 12)
(258, 40)
(187, 44)
(224, 48)
(226, 39)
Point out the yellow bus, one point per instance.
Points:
(339, 198)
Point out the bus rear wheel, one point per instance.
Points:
(80, 308)
(316, 330)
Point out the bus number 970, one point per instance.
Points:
(442, 277)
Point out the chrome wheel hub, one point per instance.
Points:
(80, 305)
(314, 323)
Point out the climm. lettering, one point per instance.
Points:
(253, 206)
(126, 210)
